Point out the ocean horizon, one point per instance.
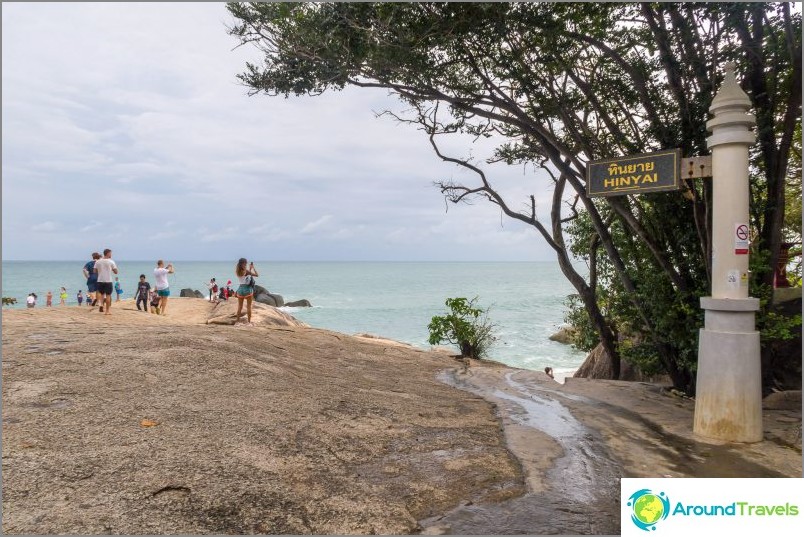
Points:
(392, 299)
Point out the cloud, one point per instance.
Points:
(316, 225)
(159, 137)
(46, 227)
(220, 235)
(94, 224)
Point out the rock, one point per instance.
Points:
(226, 313)
(598, 366)
(564, 335)
(786, 400)
(262, 295)
(190, 293)
(303, 303)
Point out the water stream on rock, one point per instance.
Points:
(582, 492)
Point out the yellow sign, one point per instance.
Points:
(634, 174)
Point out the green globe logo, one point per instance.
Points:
(648, 508)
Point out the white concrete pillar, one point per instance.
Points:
(728, 401)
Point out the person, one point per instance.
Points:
(213, 290)
(31, 300)
(117, 289)
(245, 273)
(143, 293)
(104, 267)
(155, 302)
(162, 287)
(227, 291)
(92, 279)
(49, 299)
(549, 371)
(80, 297)
(62, 296)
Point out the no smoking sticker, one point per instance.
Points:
(741, 239)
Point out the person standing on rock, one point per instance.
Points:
(213, 290)
(162, 287)
(245, 273)
(104, 268)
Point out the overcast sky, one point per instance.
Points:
(124, 126)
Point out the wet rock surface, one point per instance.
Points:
(576, 441)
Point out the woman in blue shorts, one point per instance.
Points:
(245, 273)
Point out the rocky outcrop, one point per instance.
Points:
(190, 293)
(786, 400)
(263, 296)
(303, 303)
(598, 366)
(226, 313)
(564, 335)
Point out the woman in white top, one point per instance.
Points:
(245, 273)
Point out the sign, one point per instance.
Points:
(741, 239)
(634, 174)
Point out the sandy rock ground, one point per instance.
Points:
(141, 424)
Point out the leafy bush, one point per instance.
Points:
(466, 326)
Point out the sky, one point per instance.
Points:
(124, 126)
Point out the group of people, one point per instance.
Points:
(100, 284)
(218, 293)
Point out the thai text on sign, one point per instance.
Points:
(634, 174)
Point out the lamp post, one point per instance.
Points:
(728, 401)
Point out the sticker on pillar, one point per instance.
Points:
(733, 279)
(741, 239)
(743, 279)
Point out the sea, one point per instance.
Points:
(526, 301)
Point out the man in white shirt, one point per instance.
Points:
(162, 286)
(104, 268)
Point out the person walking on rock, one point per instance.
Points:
(92, 279)
(104, 268)
(143, 293)
(162, 287)
(245, 273)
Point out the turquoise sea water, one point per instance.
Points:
(393, 300)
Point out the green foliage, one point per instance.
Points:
(466, 326)
(772, 325)
(559, 85)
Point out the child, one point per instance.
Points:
(143, 293)
(117, 289)
(80, 298)
(63, 296)
(49, 299)
(154, 302)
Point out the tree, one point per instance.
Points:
(466, 326)
(561, 85)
